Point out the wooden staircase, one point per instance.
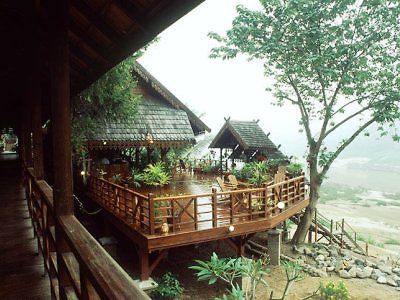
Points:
(338, 232)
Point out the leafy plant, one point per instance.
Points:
(169, 287)
(294, 169)
(332, 292)
(229, 270)
(136, 178)
(116, 178)
(156, 175)
(256, 173)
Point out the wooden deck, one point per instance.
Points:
(22, 274)
(190, 219)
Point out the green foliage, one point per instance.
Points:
(370, 240)
(156, 175)
(136, 178)
(332, 292)
(229, 270)
(392, 242)
(116, 178)
(110, 97)
(169, 287)
(294, 169)
(256, 173)
(336, 61)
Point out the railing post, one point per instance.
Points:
(331, 232)
(231, 208)
(264, 198)
(214, 207)
(196, 225)
(151, 213)
(342, 234)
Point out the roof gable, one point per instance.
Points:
(248, 135)
(152, 83)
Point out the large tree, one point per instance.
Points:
(337, 61)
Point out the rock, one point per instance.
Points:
(386, 269)
(359, 262)
(307, 251)
(391, 281)
(320, 257)
(333, 251)
(339, 265)
(381, 280)
(344, 274)
(367, 271)
(353, 272)
(376, 273)
(396, 271)
(398, 289)
(395, 277)
(330, 268)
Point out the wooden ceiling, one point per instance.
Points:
(101, 34)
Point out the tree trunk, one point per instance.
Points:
(305, 222)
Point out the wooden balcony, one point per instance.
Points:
(156, 224)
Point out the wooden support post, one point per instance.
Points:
(220, 161)
(144, 264)
(214, 208)
(61, 126)
(37, 133)
(331, 232)
(137, 157)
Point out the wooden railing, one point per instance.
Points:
(77, 265)
(195, 212)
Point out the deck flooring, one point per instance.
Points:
(21, 268)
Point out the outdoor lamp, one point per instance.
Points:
(281, 205)
(83, 173)
(231, 228)
(149, 138)
(104, 143)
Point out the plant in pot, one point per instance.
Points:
(136, 178)
(116, 178)
(294, 169)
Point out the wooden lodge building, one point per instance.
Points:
(51, 51)
(247, 141)
(162, 121)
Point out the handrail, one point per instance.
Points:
(195, 211)
(75, 261)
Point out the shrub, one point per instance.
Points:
(169, 287)
(136, 178)
(392, 242)
(294, 169)
(156, 175)
(117, 178)
(332, 292)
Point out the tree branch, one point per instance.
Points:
(343, 146)
(346, 119)
(303, 111)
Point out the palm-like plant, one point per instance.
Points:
(156, 175)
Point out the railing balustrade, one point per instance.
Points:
(77, 265)
(195, 212)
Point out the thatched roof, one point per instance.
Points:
(167, 127)
(160, 115)
(148, 80)
(247, 137)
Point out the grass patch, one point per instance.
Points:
(381, 202)
(369, 240)
(392, 242)
(392, 196)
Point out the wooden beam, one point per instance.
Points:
(96, 20)
(61, 108)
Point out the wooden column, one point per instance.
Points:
(37, 128)
(61, 108)
(26, 139)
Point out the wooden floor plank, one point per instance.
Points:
(21, 268)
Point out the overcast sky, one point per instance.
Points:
(216, 88)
